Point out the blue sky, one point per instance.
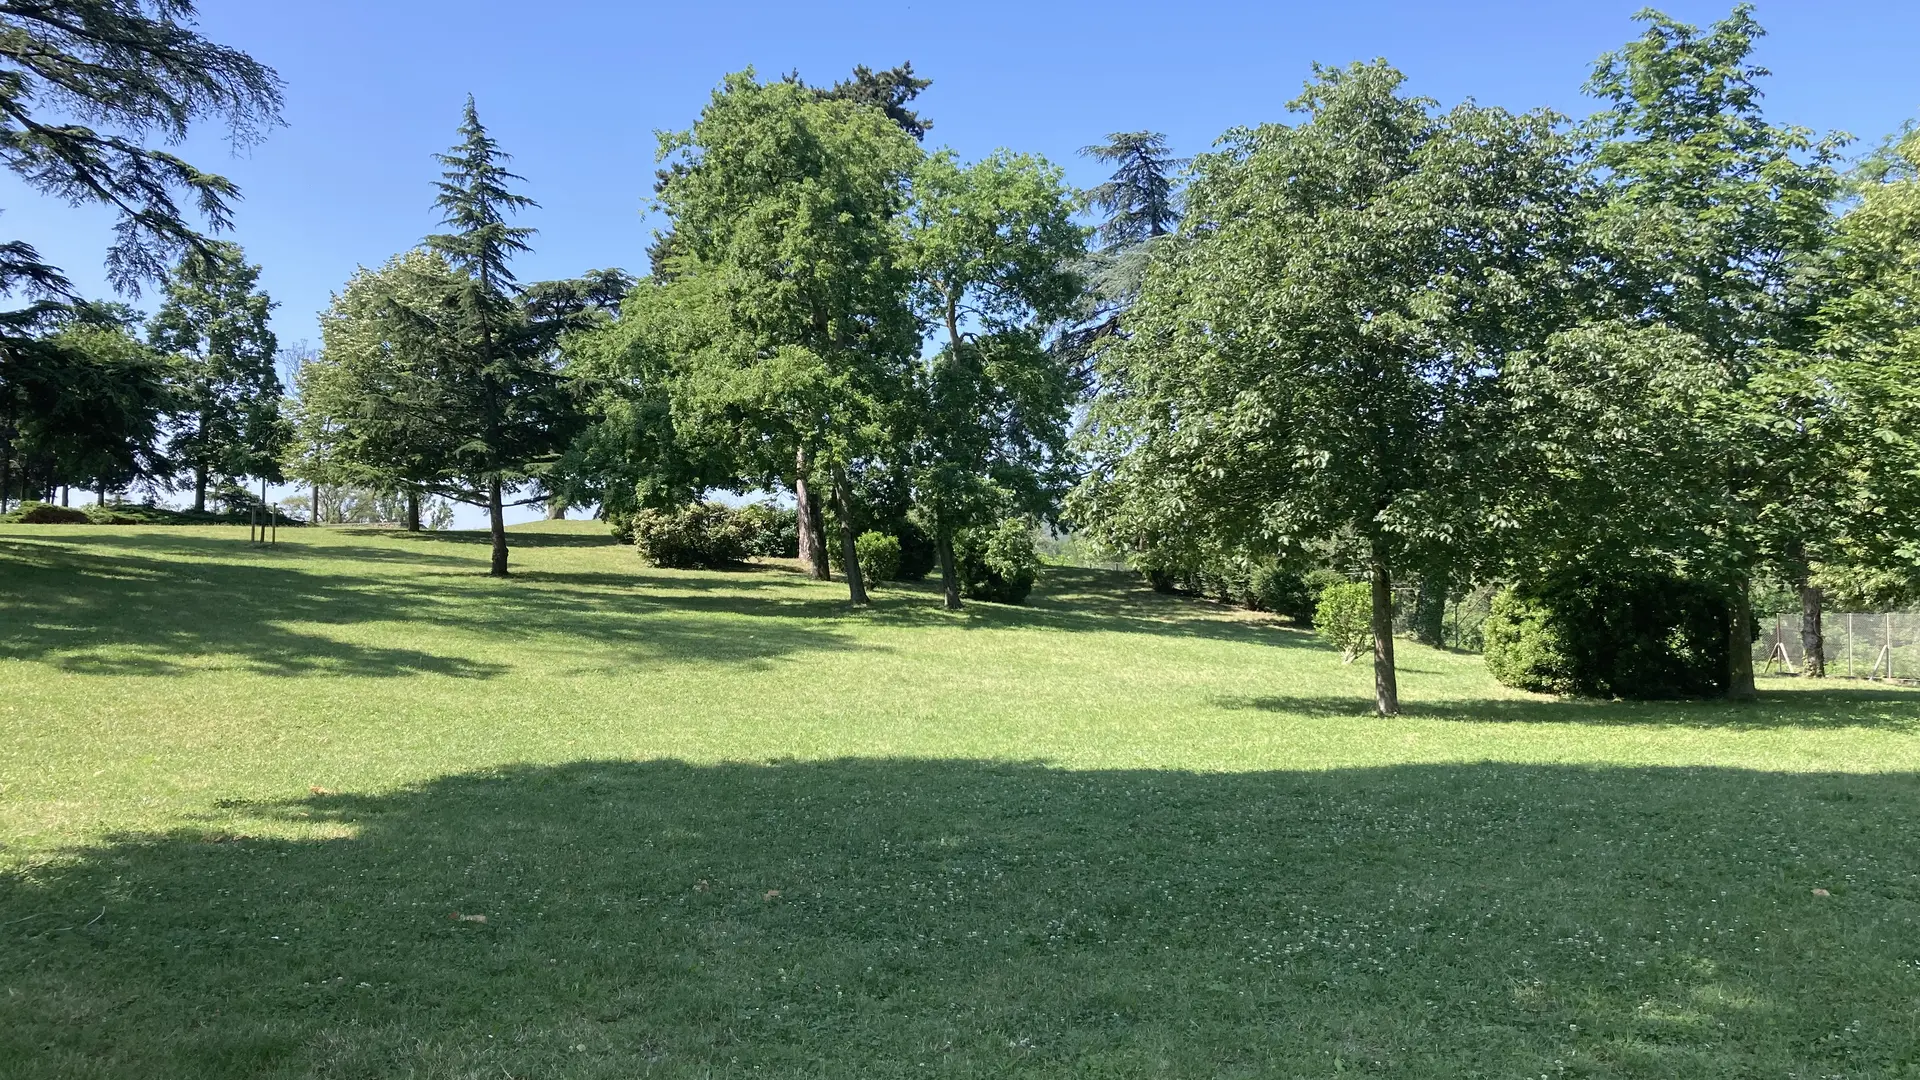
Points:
(575, 90)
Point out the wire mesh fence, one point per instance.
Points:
(1858, 644)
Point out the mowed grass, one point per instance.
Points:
(256, 802)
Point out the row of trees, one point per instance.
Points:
(1477, 344)
(832, 312)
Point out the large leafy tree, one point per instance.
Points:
(1871, 337)
(1714, 222)
(993, 248)
(1317, 357)
(213, 324)
(889, 91)
(784, 207)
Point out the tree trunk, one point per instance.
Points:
(199, 488)
(316, 517)
(1813, 641)
(556, 509)
(413, 511)
(808, 523)
(949, 574)
(1740, 643)
(843, 501)
(1386, 684)
(66, 494)
(496, 518)
(100, 496)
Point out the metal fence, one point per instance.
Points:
(1866, 645)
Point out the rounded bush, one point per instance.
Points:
(879, 556)
(1344, 618)
(39, 513)
(997, 563)
(1626, 635)
(700, 536)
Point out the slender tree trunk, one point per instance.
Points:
(199, 488)
(1430, 610)
(808, 523)
(1813, 640)
(100, 496)
(413, 511)
(66, 494)
(949, 573)
(317, 517)
(1740, 643)
(6, 476)
(496, 518)
(849, 553)
(1386, 684)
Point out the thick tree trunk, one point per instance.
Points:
(1386, 684)
(100, 496)
(497, 520)
(199, 488)
(66, 494)
(1740, 643)
(808, 523)
(1813, 640)
(949, 573)
(556, 509)
(849, 553)
(413, 511)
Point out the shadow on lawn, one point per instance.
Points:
(99, 608)
(870, 918)
(1804, 708)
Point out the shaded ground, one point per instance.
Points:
(888, 918)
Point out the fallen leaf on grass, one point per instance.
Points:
(457, 917)
(318, 790)
(701, 885)
(772, 894)
(1821, 892)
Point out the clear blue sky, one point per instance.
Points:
(575, 90)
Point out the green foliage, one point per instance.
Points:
(996, 562)
(139, 68)
(879, 556)
(918, 553)
(698, 536)
(1282, 588)
(1343, 617)
(39, 513)
(771, 532)
(225, 384)
(1140, 198)
(1612, 634)
(1319, 353)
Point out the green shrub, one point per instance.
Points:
(1627, 635)
(1525, 649)
(879, 556)
(1274, 586)
(699, 536)
(997, 563)
(40, 513)
(1344, 617)
(771, 532)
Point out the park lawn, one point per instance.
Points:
(255, 804)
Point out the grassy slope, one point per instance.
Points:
(717, 823)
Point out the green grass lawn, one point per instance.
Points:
(719, 825)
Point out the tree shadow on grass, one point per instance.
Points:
(103, 609)
(1800, 708)
(955, 918)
